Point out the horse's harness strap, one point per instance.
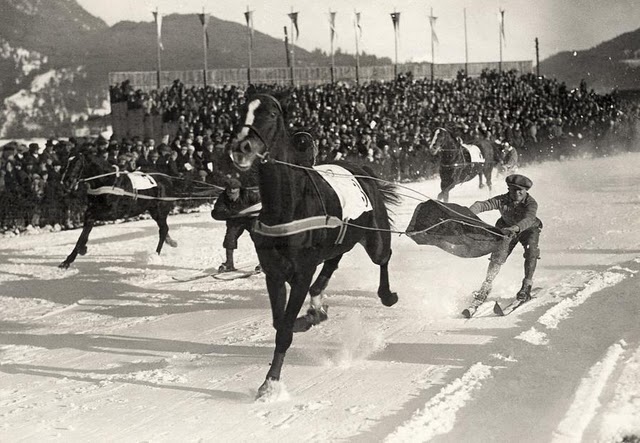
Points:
(299, 226)
(121, 192)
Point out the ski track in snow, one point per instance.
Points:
(439, 414)
(585, 402)
(114, 349)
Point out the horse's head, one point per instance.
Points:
(438, 141)
(262, 132)
(72, 172)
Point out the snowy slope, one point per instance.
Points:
(114, 349)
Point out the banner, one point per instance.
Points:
(501, 24)
(395, 18)
(432, 22)
(248, 16)
(204, 20)
(357, 24)
(294, 20)
(158, 19)
(332, 25)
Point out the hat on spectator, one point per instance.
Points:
(519, 181)
(233, 183)
(33, 146)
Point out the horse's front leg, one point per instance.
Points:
(480, 184)
(81, 244)
(317, 312)
(163, 230)
(284, 320)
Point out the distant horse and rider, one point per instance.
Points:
(304, 222)
(113, 195)
(461, 162)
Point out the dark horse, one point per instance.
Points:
(292, 235)
(111, 195)
(456, 162)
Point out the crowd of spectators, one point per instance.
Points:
(387, 125)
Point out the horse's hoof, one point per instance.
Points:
(171, 242)
(64, 265)
(267, 389)
(481, 186)
(82, 250)
(311, 318)
(389, 299)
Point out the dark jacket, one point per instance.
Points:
(227, 209)
(522, 214)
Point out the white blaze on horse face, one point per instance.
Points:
(251, 116)
(433, 140)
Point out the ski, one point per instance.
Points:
(515, 304)
(199, 276)
(498, 310)
(240, 272)
(235, 275)
(470, 311)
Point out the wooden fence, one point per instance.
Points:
(148, 80)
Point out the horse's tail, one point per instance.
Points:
(388, 190)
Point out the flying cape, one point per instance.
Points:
(453, 228)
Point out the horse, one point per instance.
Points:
(112, 195)
(459, 162)
(302, 225)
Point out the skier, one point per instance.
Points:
(519, 224)
(227, 207)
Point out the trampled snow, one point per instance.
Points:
(115, 349)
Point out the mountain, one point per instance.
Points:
(55, 58)
(614, 64)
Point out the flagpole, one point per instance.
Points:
(433, 59)
(395, 38)
(500, 30)
(466, 46)
(204, 45)
(293, 50)
(332, 27)
(249, 43)
(159, 65)
(286, 48)
(355, 27)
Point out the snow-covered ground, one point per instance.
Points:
(114, 349)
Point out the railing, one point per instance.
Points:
(148, 80)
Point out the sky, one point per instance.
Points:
(560, 25)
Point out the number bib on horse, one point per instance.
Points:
(353, 200)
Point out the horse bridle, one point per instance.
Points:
(81, 161)
(264, 156)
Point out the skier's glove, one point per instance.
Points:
(511, 230)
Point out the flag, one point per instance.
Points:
(204, 20)
(332, 25)
(454, 229)
(395, 18)
(501, 22)
(432, 21)
(158, 18)
(294, 19)
(357, 23)
(248, 16)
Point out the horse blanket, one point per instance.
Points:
(474, 153)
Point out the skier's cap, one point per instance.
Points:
(519, 181)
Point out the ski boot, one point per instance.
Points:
(524, 294)
(225, 267)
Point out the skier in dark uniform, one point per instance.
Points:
(519, 224)
(227, 207)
